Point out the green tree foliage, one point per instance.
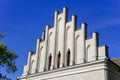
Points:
(7, 60)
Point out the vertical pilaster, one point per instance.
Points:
(72, 56)
(65, 10)
(37, 55)
(46, 50)
(43, 35)
(95, 44)
(84, 35)
(29, 61)
(55, 41)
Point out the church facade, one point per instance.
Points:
(66, 53)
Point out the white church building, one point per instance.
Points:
(66, 53)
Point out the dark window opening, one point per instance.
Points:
(59, 60)
(68, 57)
(49, 64)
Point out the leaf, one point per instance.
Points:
(7, 60)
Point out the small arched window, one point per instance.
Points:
(59, 60)
(88, 55)
(31, 66)
(49, 64)
(68, 57)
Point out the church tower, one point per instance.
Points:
(66, 53)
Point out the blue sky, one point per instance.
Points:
(22, 22)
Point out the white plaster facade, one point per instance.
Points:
(65, 53)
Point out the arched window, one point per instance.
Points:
(88, 55)
(59, 60)
(49, 64)
(68, 57)
(31, 66)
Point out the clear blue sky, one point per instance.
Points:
(22, 22)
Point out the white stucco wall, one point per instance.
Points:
(89, 71)
(41, 57)
(32, 64)
(63, 36)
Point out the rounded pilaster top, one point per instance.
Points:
(84, 23)
(65, 9)
(56, 12)
(47, 26)
(30, 52)
(74, 15)
(96, 33)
